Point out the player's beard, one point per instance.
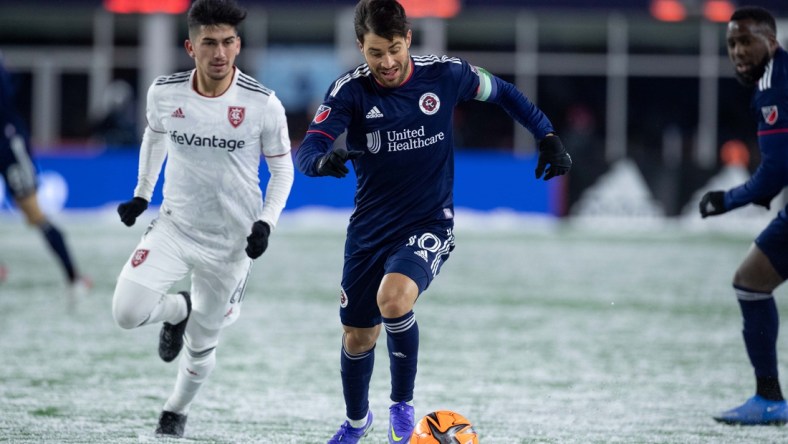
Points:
(751, 77)
(392, 83)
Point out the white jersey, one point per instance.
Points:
(213, 147)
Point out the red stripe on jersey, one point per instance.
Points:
(773, 131)
(320, 132)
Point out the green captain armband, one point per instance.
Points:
(485, 84)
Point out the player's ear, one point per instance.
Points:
(773, 44)
(187, 44)
(360, 45)
(408, 38)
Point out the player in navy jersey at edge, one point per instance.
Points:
(761, 63)
(397, 110)
(213, 124)
(19, 172)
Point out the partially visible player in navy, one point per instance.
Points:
(761, 63)
(397, 110)
(19, 172)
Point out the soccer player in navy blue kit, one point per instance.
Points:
(760, 63)
(397, 110)
(19, 172)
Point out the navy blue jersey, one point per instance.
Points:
(406, 176)
(770, 103)
(16, 166)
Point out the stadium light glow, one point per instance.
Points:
(718, 10)
(431, 8)
(146, 6)
(668, 10)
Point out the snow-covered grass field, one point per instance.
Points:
(539, 333)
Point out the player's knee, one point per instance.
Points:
(747, 277)
(360, 340)
(739, 278)
(397, 295)
(395, 306)
(132, 303)
(200, 339)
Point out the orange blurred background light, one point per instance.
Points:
(668, 10)
(146, 6)
(431, 8)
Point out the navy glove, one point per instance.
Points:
(333, 162)
(130, 210)
(257, 242)
(712, 203)
(552, 152)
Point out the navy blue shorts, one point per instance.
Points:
(419, 256)
(773, 241)
(16, 166)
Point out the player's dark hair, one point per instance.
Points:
(385, 18)
(214, 12)
(757, 14)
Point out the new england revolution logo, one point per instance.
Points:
(236, 114)
(429, 103)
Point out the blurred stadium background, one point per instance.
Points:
(639, 89)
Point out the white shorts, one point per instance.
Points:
(164, 256)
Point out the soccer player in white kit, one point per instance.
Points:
(212, 124)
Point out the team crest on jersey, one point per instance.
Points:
(769, 114)
(429, 103)
(322, 114)
(342, 298)
(139, 257)
(236, 114)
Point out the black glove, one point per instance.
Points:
(552, 152)
(765, 202)
(257, 242)
(333, 162)
(712, 203)
(130, 210)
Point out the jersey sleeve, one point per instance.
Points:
(278, 189)
(275, 136)
(771, 176)
(496, 90)
(467, 80)
(331, 119)
(153, 149)
(153, 113)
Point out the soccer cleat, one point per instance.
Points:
(401, 422)
(351, 435)
(756, 411)
(171, 424)
(171, 336)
